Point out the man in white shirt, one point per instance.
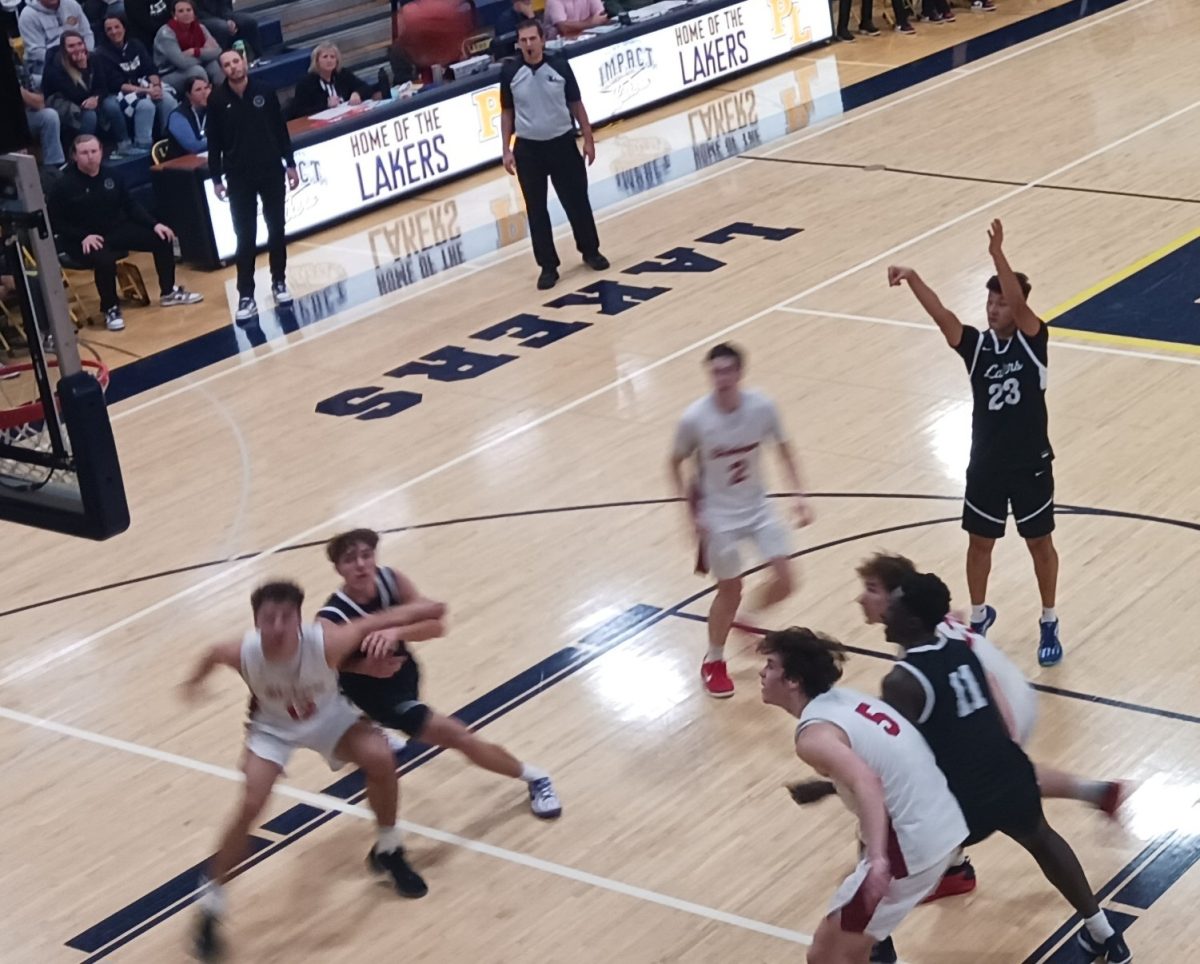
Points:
(725, 432)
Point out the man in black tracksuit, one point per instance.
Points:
(249, 144)
(96, 219)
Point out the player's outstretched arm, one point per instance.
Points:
(1029, 323)
(823, 747)
(223, 654)
(415, 620)
(946, 320)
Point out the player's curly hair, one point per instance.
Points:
(280, 591)
(809, 658)
(336, 547)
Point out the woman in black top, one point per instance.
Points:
(135, 83)
(327, 84)
(76, 87)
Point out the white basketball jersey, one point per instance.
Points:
(290, 697)
(1021, 696)
(728, 447)
(926, 822)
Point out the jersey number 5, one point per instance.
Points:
(890, 726)
(1007, 392)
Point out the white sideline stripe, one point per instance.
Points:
(1055, 342)
(49, 658)
(325, 802)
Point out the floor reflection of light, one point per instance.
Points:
(595, 617)
(1157, 807)
(949, 430)
(638, 685)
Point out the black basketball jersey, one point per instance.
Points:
(340, 608)
(1009, 423)
(985, 769)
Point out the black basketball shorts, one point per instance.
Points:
(990, 492)
(393, 702)
(1008, 800)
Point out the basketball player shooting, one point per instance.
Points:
(1011, 456)
(291, 670)
(727, 500)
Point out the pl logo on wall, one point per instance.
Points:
(627, 72)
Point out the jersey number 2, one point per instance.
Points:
(738, 471)
(1007, 392)
(967, 691)
(890, 726)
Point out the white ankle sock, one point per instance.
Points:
(212, 899)
(715, 654)
(1099, 927)
(1049, 615)
(529, 774)
(978, 612)
(389, 840)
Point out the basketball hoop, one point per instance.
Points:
(23, 422)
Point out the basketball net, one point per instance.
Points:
(23, 423)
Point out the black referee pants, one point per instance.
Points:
(559, 160)
(244, 192)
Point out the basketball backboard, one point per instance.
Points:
(58, 460)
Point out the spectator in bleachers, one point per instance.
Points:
(184, 48)
(569, 18)
(98, 10)
(513, 14)
(76, 85)
(42, 24)
(186, 126)
(134, 82)
(328, 84)
(146, 17)
(95, 218)
(43, 121)
(227, 25)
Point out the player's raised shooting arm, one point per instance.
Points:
(946, 320)
(823, 747)
(902, 691)
(223, 654)
(415, 620)
(1010, 287)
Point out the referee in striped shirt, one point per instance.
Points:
(540, 103)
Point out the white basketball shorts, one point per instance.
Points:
(901, 897)
(722, 553)
(322, 733)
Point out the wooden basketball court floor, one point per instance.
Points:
(530, 493)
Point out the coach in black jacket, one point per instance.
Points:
(94, 217)
(249, 147)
